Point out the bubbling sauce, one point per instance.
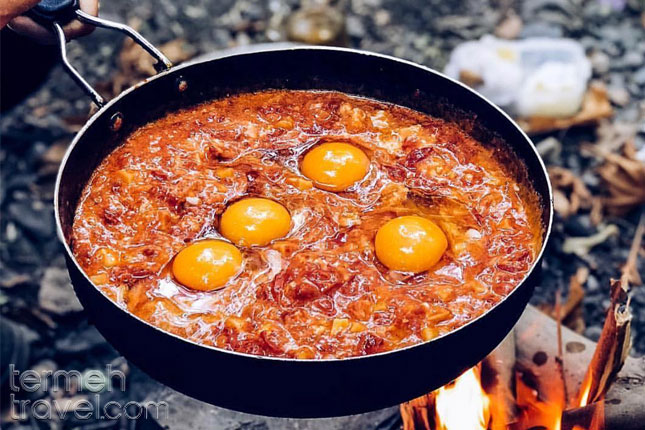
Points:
(319, 291)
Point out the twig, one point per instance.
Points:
(629, 272)
(559, 358)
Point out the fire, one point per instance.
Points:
(537, 411)
(467, 404)
(463, 404)
(584, 393)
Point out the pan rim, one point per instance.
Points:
(269, 49)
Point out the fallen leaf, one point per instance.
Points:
(623, 177)
(561, 204)
(13, 280)
(570, 193)
(135, 61)
(581, 246)
(135, 64)
(630, 269)
(595, 106)
(612, 135)
(571, 311)
(470, 78)
(576, 293)
(55, 153)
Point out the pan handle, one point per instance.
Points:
(55, 14)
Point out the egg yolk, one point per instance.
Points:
(335, 166)
(207, 265)
(410, 244)
(255, 221)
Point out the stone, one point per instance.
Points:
(80, 341)
(600, 62)
(618, 95)
(633, 59)
(37, 221)
(639, 76)
(56, 294)
(541, 29)
(549, 148)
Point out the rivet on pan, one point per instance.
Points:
(182, 84)
(116, 121)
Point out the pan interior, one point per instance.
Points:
(362, 74)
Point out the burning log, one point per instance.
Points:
(523, 375)
(536, 354)
(498, 380)
(414, 413)
(622, 408)
(487, 389)
(612, 349)
(541, 392)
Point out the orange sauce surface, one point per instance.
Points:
(319, 292)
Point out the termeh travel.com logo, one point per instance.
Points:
(75, 393)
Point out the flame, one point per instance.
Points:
(465, 404)
(462, 404)
(584, 396)
(537, 411)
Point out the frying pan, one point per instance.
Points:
(267, 385)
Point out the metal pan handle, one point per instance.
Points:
(55, 14)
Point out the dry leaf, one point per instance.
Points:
(470, 78)
(629, 272)
(623, 177)
(581, 246)
(612, 135)
(135, 61)
(571, 311)
(135, 64)
(595, 106)
(10, 281)
(570, 194)
(56, 152)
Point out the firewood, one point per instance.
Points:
(612, 349)
(498, 380)
(615, 341)
(537, 353)
(623, 408)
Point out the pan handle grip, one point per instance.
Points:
(55, 14)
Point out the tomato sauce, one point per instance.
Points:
(319, 292)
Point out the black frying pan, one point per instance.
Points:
(278, 386)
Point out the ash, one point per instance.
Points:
(37, 302)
